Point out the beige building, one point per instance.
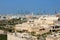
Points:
(40, 26)
(1, 31)
(39, 29)
(53, 37)
(20, 36)
(49, 20)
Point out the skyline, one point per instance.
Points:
(35, 6)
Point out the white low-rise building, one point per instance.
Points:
(20, 36)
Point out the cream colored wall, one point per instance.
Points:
(12, 37)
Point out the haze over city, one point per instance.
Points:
(42, 6)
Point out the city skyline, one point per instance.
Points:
(35, 6)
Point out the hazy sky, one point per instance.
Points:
(11, 6)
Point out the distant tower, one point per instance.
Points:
(18, 12)
(55, 12)
(44, 12)
(39, 11)
(32, 13)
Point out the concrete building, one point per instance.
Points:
(40, 26)
(1, 31)
(55, 36)
(49, 20)
(20, 36)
